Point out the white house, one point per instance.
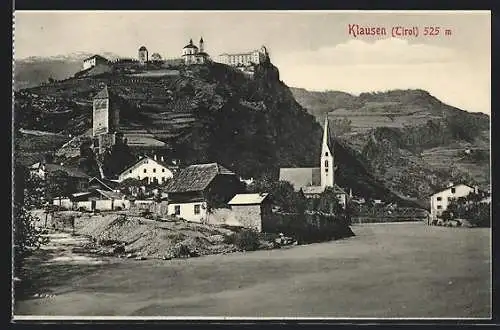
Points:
(148, 168)
(193, 187)
(93, 61)
(441, 199)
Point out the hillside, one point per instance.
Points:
(202, 113)
(408, 138)
(33, 71)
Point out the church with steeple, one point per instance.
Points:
(193, 54)
(314, 180)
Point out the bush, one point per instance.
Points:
(246, 240)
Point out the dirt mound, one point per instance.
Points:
(153, 238)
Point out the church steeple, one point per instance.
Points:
(202, 45)
(327, 159)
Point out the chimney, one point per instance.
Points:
(154, 157)
(161, 158)
(450, 184)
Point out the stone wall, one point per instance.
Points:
(248, 216)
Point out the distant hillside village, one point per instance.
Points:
(130, 169)
(190, 54)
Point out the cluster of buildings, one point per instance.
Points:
(186, 193)
(195, 54)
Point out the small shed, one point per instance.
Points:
(250, 210)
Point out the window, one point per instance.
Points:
(438, 198)
(452, 190)
(197, 209)
(326, 164)
(326, 153)
(439, 207)
(177, 209)
(145, 170)
(130, 171)
(154, 170)
(163, 170)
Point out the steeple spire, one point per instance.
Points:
(327, 159)
(325, 131)
(202, 46)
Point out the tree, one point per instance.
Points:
(131, 187)
(27, 237)
(58, 184)
(470, 208)
(88, 162)
(156, 57)
(282, 193)
(118, 158)
(328, 202)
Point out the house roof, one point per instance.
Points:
(190, 45)
(196, 177)
(309, 190)
(320, 189)
(301, 176)
(139, 161)
(80, 194)
(110, 194)
(97, 56)
(106, 183)
(70, 171)
(451, 186)
(248, 199)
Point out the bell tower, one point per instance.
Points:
(327, 158)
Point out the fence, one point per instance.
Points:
(397, 215)
(310, 227)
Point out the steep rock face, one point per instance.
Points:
(205, 113)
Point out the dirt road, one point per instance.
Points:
(387, 270)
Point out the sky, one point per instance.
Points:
(312, 49)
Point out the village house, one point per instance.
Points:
(94, 199)
(251, 210)
(441, 199)
(78, 180)
(152, 170)
(93, 61)
(194, 55)
(314, 180)
(195, 188)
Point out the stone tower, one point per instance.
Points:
(143, 55)
(327, 158)
(105, 120)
